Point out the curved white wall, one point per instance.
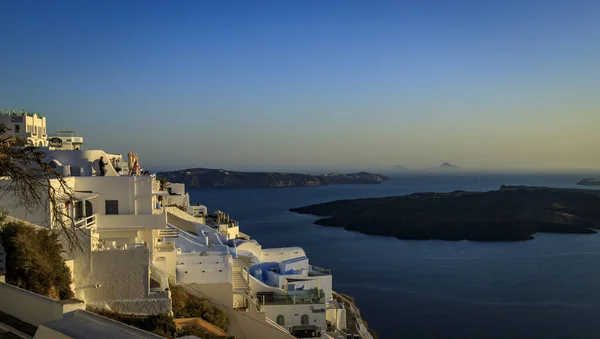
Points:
(281, 254)
(84, 159)
(251, 247)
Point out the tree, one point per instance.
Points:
(33, 260)
(34, 184)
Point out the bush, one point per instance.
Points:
(188, 306)
(34, 262)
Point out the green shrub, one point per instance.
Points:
(188, 306)
(34, 262)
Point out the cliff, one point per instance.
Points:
(589, 182)
(508, 214)
(203, 177)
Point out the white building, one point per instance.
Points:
(138, 238)
(66, 140)
(29, 127)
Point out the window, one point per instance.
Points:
(89, 209)
(304, 320)
(112, 206)
(280, 320)
(78, 210)
(17, 128)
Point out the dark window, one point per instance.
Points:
(89, 209)
(280, 320)
(304, 320)
(112, 206)
(78, 210)
(17, 128)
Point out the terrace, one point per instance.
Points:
(314, 296)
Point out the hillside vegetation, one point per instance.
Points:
(33, 260)
(184, 306)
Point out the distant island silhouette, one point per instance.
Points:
(220, 178)
(447, 165)
(511, 213)
(589, 182)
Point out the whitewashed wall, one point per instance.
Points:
(210, 269)
(337, 316)
(293, 314)
(281, 254)
(33, 308)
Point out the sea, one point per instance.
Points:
(548, 287)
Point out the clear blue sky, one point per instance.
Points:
(302, 85)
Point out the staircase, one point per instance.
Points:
(241, 261)
(239, 283)
(168, 233)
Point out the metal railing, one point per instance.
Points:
(294, 297)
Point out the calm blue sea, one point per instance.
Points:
(545, 288)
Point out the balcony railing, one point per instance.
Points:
(168, 246)
(86, 223)
(294, 297)
(317, 271)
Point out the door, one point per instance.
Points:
(89, 209)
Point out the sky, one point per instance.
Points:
(313, 85)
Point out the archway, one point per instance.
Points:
(280, 320)
(304, 320)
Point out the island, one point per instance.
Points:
(589, 182)
(448, 165)
(219, 178)
(511, 213)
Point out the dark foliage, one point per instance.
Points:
(188, 306)
(34, 262)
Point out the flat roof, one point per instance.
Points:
(84, 324)
(289, 261)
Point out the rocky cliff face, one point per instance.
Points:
(203, 177)
(508, 214)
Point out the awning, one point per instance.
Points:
(85, 195)
(160, 193)
(79, 196)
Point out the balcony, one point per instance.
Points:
(168, 246)
(86, 223)
(316, 271)
(293, 298)
(132, 221)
